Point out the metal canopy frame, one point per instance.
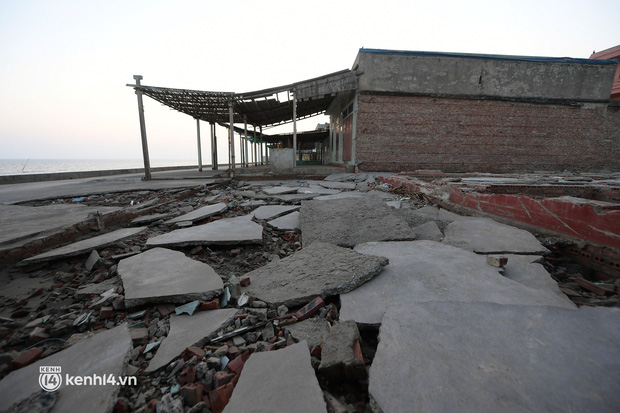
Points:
(258, 108)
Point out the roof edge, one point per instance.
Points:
(536, 59)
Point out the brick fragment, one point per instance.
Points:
(210, 305)
(192, 394)
(310, 309)
(192, 351)
(27, 357)
(222, 377)
(244, 281)
(188, 375)
(220, 397)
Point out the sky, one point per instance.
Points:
(64, 64)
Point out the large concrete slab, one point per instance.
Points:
(281, 190)
(486, 236)
(238, 230)
(338, 185)
(317, 270)
(317, 189)
(485, 357)
(18, 222)
(84, 246)
(272, 211)
(278, 381)
(200, 213)
(422, 271)
(186, 331)
(287, 222)
(351, 221)
(313, 331)
(163, 275)
(342, 195)
(102, 354)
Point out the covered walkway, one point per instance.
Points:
(268, 107)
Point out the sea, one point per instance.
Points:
(44, 166)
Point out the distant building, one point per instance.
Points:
(612, 53)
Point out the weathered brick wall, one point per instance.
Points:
(405, 133)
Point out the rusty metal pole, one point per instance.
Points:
(199, 148)
(213, 147)
(294, 128)
(145, 146)
(231, 135)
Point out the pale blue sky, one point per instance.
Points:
(64, 64)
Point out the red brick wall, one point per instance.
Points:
(404, 133)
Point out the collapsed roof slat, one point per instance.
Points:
(260, 108)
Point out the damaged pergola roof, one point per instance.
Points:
(258, 108)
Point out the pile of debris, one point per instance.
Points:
(296, 296)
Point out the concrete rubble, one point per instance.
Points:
(186, 331)
(163, 275)
(300, 295)
(102, 354)
(419, 272)
(239, 230)
(317, 270)
(287, 383)
(488, 357)
(84, 246)
(352, 221)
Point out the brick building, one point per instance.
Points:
(613, 53)
(484, 113)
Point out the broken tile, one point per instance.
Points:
(84, 246)
(92, 260)
(200, 213)
(164, 275)
(287, 383)
(238, 230)
(487, 357)
(421, 271)
(318, 270)
(187, 331)
(352, 221)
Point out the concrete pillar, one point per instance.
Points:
(261, 134)
(213, 147)
(145, 146)
(295, 127)
(247, 154)
(231, 135)
(199, 148)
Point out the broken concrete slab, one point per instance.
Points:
(317, 189)
(486, 236)
(295, 198)
(348, 222)
(341, 356)
(486, 357)
(313, 331)
(163, 275)
(280, 190)
(102, 355)
(272, 211)
(287, 383)
(428, 231)
(317, 270)
(338, 185)
(147, 219)
(422, 271)
(342, 195)
(253, 203)
(97, 288)
(346, 176)
(238, 230)
(82, 247)
(526, 270)
(200, 213)
(186, 331)
(286, 223)
(20, 222)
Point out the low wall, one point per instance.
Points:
(398, 133)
